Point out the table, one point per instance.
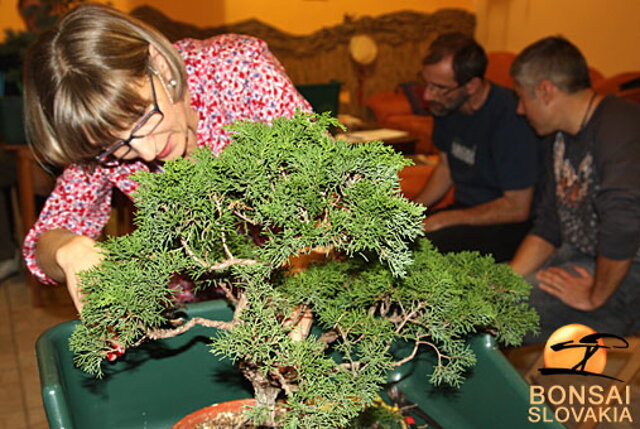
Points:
(400, 140)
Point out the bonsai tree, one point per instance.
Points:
(235, 221)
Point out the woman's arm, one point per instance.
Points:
(80, 204)
(62, 241)
(62, 254)
(272, 93)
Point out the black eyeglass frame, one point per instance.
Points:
(442, 90)
(106, 157)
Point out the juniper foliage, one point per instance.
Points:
(235, 220)
(443, 299)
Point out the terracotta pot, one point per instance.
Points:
(203, 414)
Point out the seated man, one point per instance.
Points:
(582, 255)
(487, 152)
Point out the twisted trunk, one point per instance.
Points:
(265, 390)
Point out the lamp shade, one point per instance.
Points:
(363, 49)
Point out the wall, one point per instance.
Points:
(304, 16)
(198, 12)
(607, 32)
(294, 16)
(9, 17)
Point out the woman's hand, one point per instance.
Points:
(73, 254)
(62, 255)
(77, 254)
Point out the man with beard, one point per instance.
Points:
(487, 152)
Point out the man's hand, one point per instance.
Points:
(573, 290)
(439, 220)
(511, 207)
(585, 291)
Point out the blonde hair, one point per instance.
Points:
(82, 82)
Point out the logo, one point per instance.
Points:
(579, 350)
(463, 153)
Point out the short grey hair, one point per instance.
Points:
(553, 58)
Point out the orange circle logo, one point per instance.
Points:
(574, 357)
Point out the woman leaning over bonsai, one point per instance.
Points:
(106, 95)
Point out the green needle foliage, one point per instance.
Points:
(234, 221)
(442, 300)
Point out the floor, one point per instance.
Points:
(21, 324)
(20, 327)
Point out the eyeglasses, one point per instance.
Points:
(145, 126)
(436, 88)
(440, 89)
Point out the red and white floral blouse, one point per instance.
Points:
(230, 77)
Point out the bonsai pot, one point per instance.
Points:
(212, 411)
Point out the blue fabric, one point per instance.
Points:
(491, 151)
(498, 240)
(618, 316)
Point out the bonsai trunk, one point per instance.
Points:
(265, 391)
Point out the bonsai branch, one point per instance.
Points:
(288, 387)
(223, 236)
(218, 266)
(300, 322)
(328, 337)
(240, 306)
(227, 289)
(383, 306)
(155, 334)
(409, 317)
(352, 366)
(416, 347)
(245, 218)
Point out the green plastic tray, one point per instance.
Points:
(493, 396)
(158, 383)
(152, 386)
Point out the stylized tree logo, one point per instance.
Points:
(591, 343)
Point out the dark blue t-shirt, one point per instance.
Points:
(491, 151)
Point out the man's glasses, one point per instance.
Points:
(436, 88)
(146, 126)
(440, 89)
